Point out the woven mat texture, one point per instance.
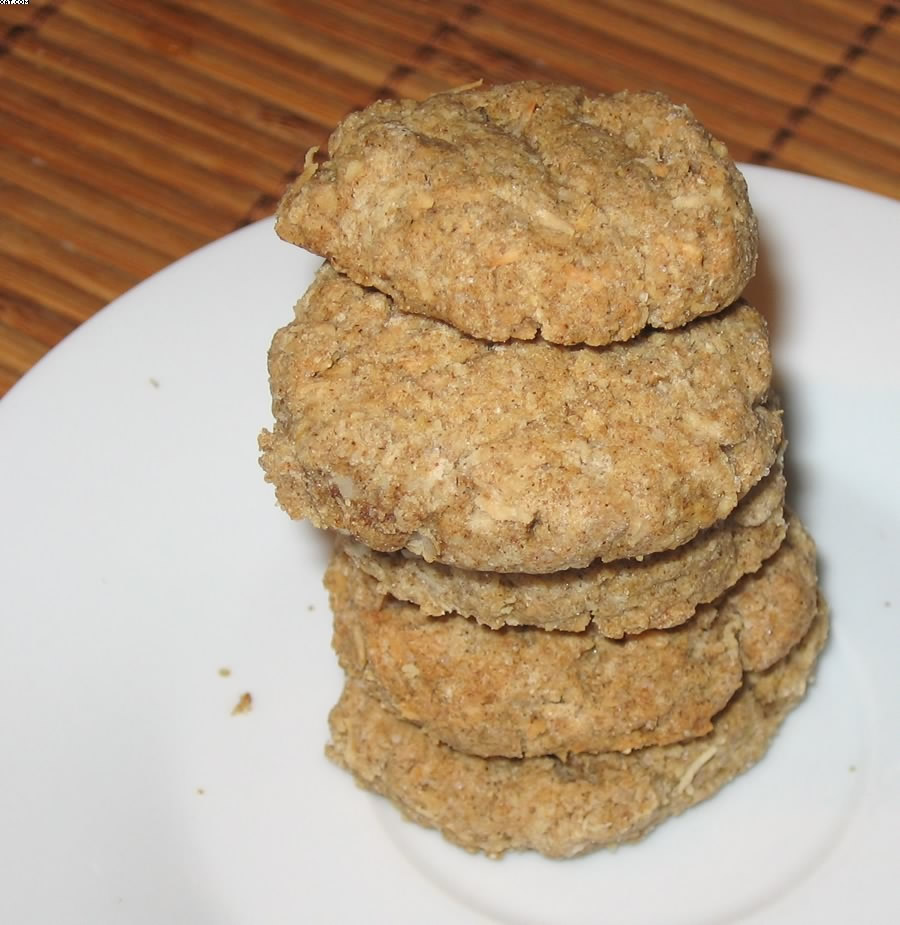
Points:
(134, 132)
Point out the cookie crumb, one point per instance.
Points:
(225, 672)
(200, 792)
(244, 705)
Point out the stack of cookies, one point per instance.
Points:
(525, 392)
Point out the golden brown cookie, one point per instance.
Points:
(563, 808)
(523, 691)
(531, 209)
(788, 587)
(520, 457)
(621, 597)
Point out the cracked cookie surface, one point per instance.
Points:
(527, 208)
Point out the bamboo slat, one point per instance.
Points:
(16, 17)
(889, 27)
(868, 147)
(36, 283)
(20, 351)
(103, 169)
(36, 326)
(90, 206)
(185, 90)
(382, 23)
(96, 278)
(363, 50)
(663, 21)
(803, 152)
(202, 43)
(150, 110)
(845, 120)
(881, 62)
(76, 235)
(213, 169)
(853, 92)
(132, 132)
(834, 22)
(808, 38)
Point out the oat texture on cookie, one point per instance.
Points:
(521, 457)
(620, 598)
(569, 692)
(526, 396)
(527, 209)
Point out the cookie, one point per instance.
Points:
(787, 582)
(557, 692)
(627, 596)
(529, 209)
(523, 457)
(563, 808)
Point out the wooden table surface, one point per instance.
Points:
(135, 131)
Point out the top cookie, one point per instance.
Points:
(531, 209)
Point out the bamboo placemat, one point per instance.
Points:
(133, 132)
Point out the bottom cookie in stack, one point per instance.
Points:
(616, 736)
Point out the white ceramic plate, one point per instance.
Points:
(142, 553)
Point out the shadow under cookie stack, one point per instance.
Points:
(525, 392)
